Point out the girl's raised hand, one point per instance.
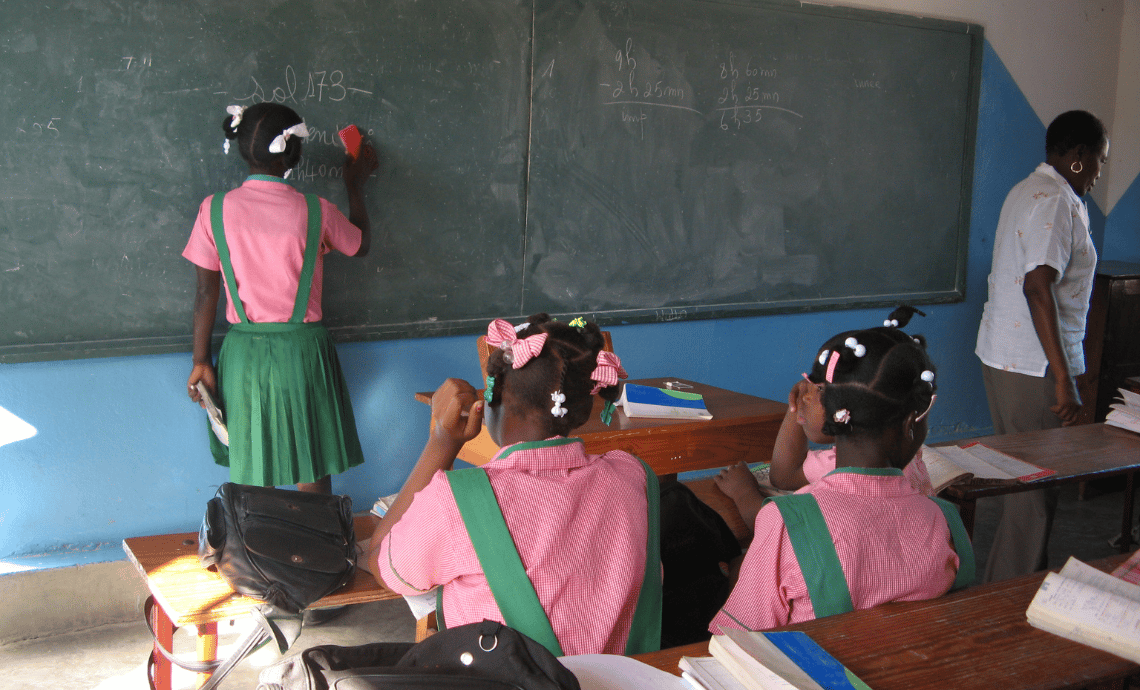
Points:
(358, 168)
(796, 395)
(456, 412)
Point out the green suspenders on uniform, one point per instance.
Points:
(312, 249)
(513, 591)
(819, 561)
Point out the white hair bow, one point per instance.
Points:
(236, 111)
(278, 144)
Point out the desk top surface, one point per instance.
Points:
(191, 594)
(1077, 453)
(975, 639)
(727, 408)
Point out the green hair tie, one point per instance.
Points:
(489, 391)
(578, 322)
(608, 412)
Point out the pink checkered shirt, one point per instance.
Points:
(892, 541)
(578, 521)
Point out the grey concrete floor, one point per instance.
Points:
(113, 657)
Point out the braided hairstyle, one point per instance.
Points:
(567, 359)
(880, 376)
(260, 124)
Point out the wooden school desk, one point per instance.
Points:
(743, 427)
(1077, 453)
(973, 639)
(188, 594)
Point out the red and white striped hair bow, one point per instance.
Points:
(607, 372)
(517, 352)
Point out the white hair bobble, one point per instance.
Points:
(823, 358)
(278, 144)
(927, 375)
(891, 323)
(558, 397)
(842, 416)
(855, 346)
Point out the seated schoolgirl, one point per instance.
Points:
(558, 544)
(862, 535)
(794, 465)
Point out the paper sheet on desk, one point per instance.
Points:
(614, 672)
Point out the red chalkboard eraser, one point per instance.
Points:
(350, 135)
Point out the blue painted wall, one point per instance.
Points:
(120, 451)
(1122, 229)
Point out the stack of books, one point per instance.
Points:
(768, 661)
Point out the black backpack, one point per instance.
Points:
(476, 656)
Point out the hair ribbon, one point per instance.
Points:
(279, 142)
(517, 351)
(235, 112)
(607, 372)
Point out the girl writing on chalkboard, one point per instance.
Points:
(580, 571)
(863, 534)
(278, 378)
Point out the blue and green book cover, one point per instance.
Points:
(647, 401)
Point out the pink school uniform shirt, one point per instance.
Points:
(819, 462)
(578, 521)
(266, 224)
(893, 544)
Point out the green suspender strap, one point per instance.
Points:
(645, 630)
(819, 561)
(507, 578)
(312, 249)
(816, 554)
(962, 545)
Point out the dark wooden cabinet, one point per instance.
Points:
(1112, 342)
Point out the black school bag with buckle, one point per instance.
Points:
(476, 656)
(286, 548)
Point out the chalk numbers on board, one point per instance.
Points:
(741, 104)
(319, 85)
(47, 127)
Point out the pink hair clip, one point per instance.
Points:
(607, 372)
(517, 352)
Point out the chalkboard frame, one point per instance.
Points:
(40, 351)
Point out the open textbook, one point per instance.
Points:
(947, 465)
(780, 661)
(1086, 605)
(1125, 413)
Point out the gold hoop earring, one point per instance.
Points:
(1077, 167)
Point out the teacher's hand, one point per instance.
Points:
(1068, 406)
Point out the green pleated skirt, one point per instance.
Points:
(286, 405)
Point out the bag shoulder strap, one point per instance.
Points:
(815, 552)
(962, 545)
(645, 630)
(513, 591)
(223, 247)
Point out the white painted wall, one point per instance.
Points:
(1064, 55)
(1125, 150)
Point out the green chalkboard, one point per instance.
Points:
(112, 137)
(631, 160)
(697, 159)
